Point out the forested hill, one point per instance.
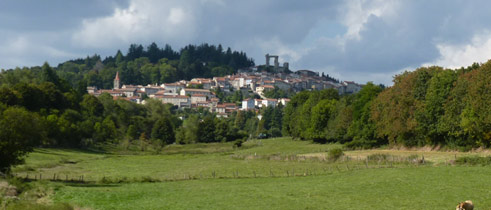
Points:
(142, 65)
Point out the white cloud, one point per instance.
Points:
(142, 20)
(357, 12)
(458, 55)
(176, 16)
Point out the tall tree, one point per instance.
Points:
(20, 132)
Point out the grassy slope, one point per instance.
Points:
(400, 188)
(407, 187)
(175, 162)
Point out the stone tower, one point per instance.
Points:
(116, 81)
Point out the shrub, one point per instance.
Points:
(473, 160)
(335, 154)
(378, 157)
(361, 144)
(238, 143)
(106, 180)
(413, 158)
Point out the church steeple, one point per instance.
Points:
(116, 81)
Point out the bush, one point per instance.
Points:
(335, 154)
(473, 160)
(378, 157)
(238, 143)
(361, 144)
(106, 180)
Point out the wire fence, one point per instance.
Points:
(345, 164)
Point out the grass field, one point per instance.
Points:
(399, 188)
(263, 174)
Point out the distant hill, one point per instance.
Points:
(142, 65)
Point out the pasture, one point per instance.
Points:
(263, 174)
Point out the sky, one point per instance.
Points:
(353, 40)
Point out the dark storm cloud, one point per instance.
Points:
(405, 40)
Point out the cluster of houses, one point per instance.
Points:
(198, 92)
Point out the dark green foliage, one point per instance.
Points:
(473, 160)
(206, 130)
(163, 131)
(20, 132)
(276, 93)
(238, 143)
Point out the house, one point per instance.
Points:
(191, 91)
(204, 104)
(221, 82)
(91, 89)
(149, 90)
(114, 93)
(176, 100)
(248, 104)
(258, 103)
(282, 85)
(128, 92)
(135, 99)
(283, 101)
(351, 87)
(198, 98)
(230, 107)
(174, 87)
(269, 102)
(220, 108)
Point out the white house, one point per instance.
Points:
(191, 91)
(173, 87)
(284, 101)
(198, 98)
(179, 101)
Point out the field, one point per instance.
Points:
(263, 174)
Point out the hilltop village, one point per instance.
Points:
(253, 82)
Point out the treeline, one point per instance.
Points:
(150, 65)
(428, 106)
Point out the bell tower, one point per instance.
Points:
(116, 81)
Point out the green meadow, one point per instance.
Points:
(263, 174)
